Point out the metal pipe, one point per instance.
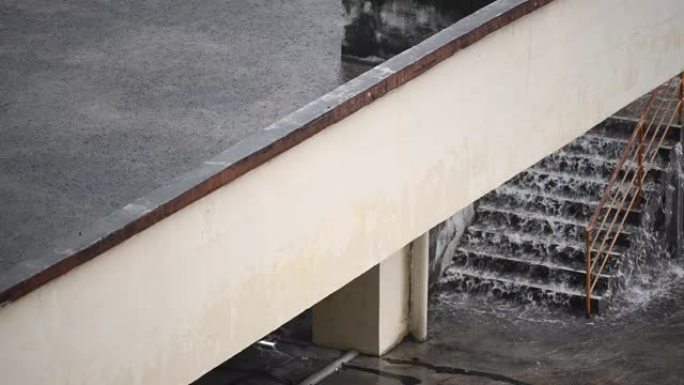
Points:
(418, 305)
(329, 369)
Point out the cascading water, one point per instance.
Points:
(654, 264)
(526, 242)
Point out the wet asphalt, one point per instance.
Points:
(101, 102)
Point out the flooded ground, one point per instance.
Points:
(480, 340)
(641, 343)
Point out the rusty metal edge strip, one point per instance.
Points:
(265, 145)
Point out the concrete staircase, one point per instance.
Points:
(526, 242)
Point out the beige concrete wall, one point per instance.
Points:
(182, 296)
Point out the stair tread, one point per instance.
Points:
(611, 127)
(515, 190)
(568, 178)
(668, 144)
(526, 237)
(523, 212)
(521, 190)
(576, 177)
(603, 161)
(631, 120)
(518, 281)
(528, 259)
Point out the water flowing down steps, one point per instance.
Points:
(527, 243)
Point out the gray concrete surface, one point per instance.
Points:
(103, 101)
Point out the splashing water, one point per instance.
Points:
(650, 270)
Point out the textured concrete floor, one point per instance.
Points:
(103, 101)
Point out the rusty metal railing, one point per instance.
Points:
(635, 162)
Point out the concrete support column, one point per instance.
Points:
(420, 267)
(372, 313)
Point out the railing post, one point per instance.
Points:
(587, 281)
(640, 156)
(681, 106)
(679, 208)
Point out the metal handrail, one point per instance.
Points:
(635, 161)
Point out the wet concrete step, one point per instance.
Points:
(521, 221)
(523, 253)
(611, 148)
(514, 198)
(559, 184)
(597, 166)
(623, 128)
(527, 266)
(558, 251)
(521, 290)
(566, 185)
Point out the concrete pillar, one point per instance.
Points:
(420, 267)
(372, 313)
